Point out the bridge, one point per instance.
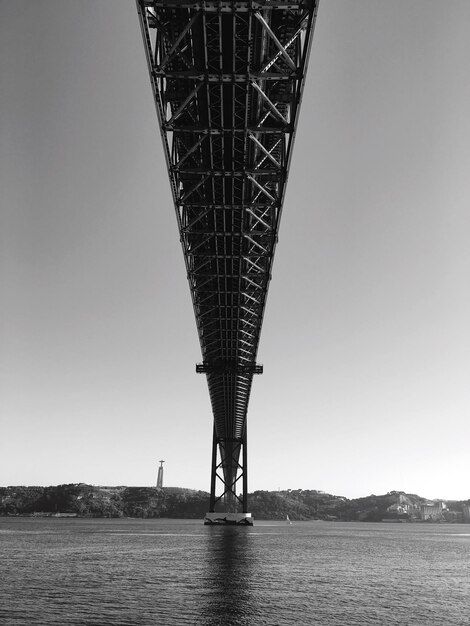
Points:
(227, 77)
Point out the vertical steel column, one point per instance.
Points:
(213, 472)
(245, 472)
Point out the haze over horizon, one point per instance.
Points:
(365, 341)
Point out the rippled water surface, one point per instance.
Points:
(177, 572)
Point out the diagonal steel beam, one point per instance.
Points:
(278, 44)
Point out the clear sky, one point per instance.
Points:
(366, 338)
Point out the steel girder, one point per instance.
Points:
(227, 78)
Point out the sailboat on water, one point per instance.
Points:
(288, 520)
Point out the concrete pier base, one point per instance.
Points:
(229, 519)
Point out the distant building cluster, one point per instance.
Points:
(404, 509)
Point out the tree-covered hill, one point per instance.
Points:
(90, 501)
(83, 500)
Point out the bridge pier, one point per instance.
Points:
(228, 519)
(228, 472)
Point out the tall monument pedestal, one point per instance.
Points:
(228, 519)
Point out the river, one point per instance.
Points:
(180, 572)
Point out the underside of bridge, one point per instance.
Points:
(227, 78)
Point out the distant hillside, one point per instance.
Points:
(311, 504)
(90, 501)
(83, 500)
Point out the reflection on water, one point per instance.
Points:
(228, 577)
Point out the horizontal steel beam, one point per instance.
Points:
(225, 6)
(227, 367)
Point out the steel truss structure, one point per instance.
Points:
(227, 77)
